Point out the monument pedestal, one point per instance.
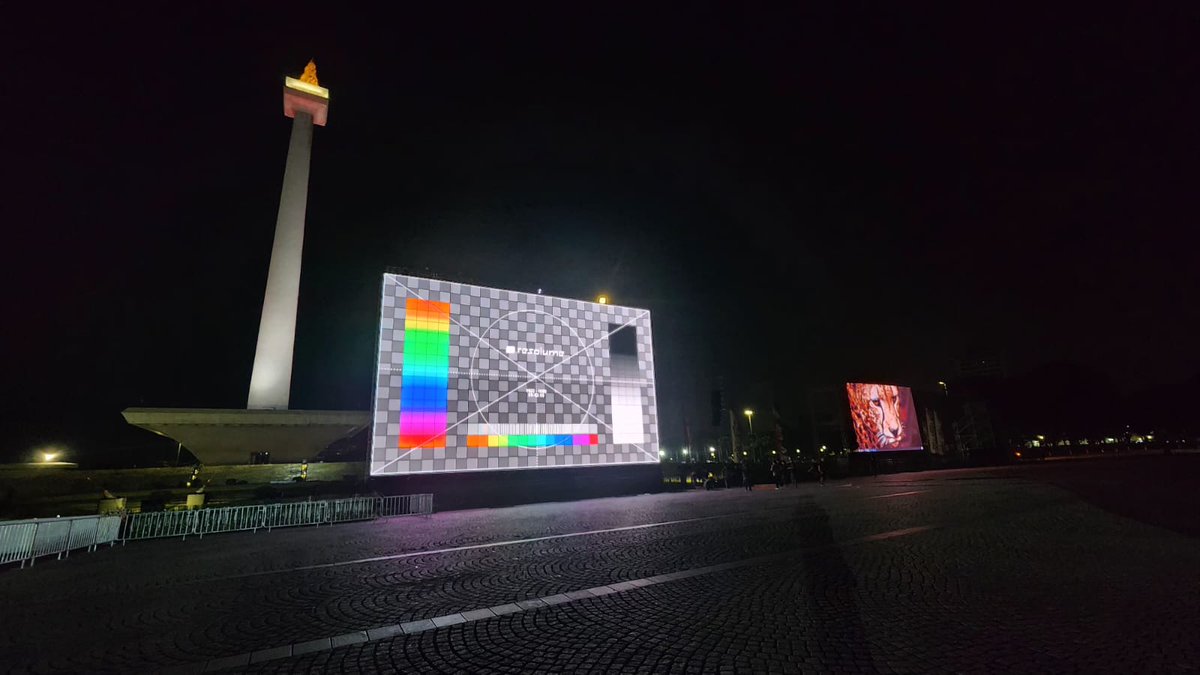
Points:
(217, 436)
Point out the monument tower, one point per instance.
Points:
(266, 429)
(307, 103)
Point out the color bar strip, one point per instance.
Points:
(533, 440)
(425, 374)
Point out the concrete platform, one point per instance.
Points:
(219, 436)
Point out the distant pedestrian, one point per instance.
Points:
(747, 481)
(777, 471)
(819, 470)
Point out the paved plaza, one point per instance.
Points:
(1084, 566)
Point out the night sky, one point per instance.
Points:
(801, 197)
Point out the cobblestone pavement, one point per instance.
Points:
(965, 571)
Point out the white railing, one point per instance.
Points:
(25, 541)
(405, 505)
(200, 522)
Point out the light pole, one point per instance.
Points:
(750, 420)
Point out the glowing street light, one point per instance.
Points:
(603, 299)
(684, 451)
(749, 418)
(49, 456)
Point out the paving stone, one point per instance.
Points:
(270, 654)
(348, 639)
(224, 662)
(317, 645)
(384, 632)
(476, 614)
(411, 627)
(448, 620)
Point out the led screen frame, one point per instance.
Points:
(884, 417)
(470, 378)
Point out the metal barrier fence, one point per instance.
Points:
(269, 516)
(405, 505)
(25, 541)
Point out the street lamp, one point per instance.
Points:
(603, 299)
(49, 456)
(750, 420)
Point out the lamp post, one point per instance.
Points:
(750, 420)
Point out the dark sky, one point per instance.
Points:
(801, 196)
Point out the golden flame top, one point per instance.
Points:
(310, 74)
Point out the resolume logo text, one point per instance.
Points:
(536, 350)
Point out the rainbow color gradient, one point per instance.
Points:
(532, 440)
(426, 374)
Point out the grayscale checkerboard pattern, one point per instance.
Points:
(515, 358)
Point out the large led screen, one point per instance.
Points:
(884, 417)
(476, 379)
